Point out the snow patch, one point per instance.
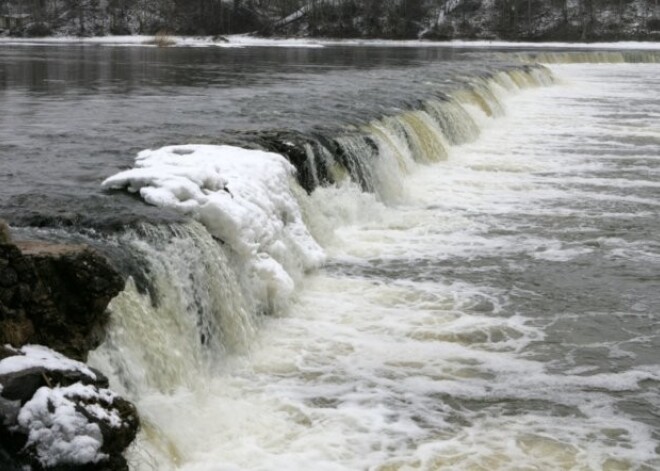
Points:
(57, 431)
(39, 356)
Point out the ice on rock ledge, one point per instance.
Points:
(33, 356)
(242, 196)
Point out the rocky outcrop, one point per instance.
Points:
(57, 414)
(292, 145)
(54, 295)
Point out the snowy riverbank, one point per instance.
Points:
(253, 41)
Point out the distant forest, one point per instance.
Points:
(396, 19)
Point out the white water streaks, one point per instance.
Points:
(503, 316)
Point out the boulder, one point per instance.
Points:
(57, 414)
(21, 385)
(54, 295)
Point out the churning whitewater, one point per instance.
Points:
(473, 285)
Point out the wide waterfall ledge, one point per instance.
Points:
(243, 197)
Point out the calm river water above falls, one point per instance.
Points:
(497, 309)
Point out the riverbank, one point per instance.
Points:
(571, 20)
(238, 41)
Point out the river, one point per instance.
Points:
(488, 291)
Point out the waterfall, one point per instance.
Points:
(193, 310)
(204, 287)
(200, 301)
(378, 153)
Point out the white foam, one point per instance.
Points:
(243, 197)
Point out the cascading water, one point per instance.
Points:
(412, 347)
(194, 312)
(380, 152)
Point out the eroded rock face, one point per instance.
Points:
(54, 295)
(57, 414)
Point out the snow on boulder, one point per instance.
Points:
(31, 356)
(244, 199)
(57, 413)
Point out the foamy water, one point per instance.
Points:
(500, 313)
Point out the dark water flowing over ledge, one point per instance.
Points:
(489, 291)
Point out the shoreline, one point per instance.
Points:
(242, 41)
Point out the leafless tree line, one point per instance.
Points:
(345, 18)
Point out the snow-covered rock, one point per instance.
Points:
(57, 413)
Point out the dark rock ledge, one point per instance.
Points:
(54, 295)
(56, 413)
